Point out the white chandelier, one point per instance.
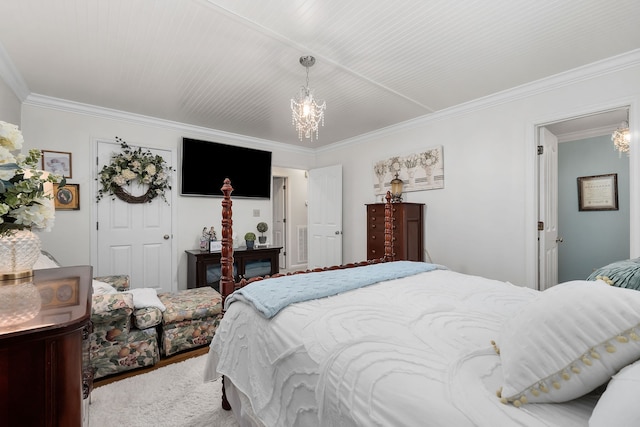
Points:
(307, 113)
(621, 138)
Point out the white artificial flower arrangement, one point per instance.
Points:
(24, 203)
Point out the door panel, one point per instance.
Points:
(325, 217)
(548, 210)
(134, 239)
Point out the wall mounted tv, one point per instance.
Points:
(206, 164)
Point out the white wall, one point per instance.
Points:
(483, 222)
(46, 126)
(9, 105)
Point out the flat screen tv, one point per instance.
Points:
(206, 164)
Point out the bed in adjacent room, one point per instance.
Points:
(400, 343)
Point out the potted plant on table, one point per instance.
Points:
(262, 227)
(249, 239)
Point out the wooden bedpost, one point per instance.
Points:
(227, 282)
(388, 229)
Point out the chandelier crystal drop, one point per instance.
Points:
(306, 112)
(621, 138)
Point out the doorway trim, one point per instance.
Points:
(173, 202)
(531, 172)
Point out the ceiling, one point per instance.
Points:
(232, 65)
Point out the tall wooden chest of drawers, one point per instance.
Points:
(408, 231)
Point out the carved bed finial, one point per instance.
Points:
(388, 229)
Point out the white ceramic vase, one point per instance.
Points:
(20, 299)
(19, 302)
(19, 251)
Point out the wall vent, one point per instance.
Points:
(302, 244)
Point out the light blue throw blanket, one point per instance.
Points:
(269, 298)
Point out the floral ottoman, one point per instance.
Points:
(190, 319)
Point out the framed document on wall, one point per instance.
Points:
(598, 192)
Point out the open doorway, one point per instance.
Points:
(583, 240)
(290, 217)
(279, 232)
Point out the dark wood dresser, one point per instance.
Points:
(408, 231)
(44, 363)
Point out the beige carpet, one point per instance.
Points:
(172, 396)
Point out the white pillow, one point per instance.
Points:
(102, 288)
(146, 297)
(618, 405)
(44, 261)
(568, 341)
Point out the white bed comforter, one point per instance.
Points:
(409, 352)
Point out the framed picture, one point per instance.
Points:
(419, 171)
(598, 192)
(67, 197)
(59, 292)
(57, 162)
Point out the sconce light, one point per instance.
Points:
(396, 189)
(622, 138)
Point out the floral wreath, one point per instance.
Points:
(138, 166)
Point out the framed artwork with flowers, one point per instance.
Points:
(419, 171)
(57, 162)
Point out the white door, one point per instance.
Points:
(135, 239)
(279, 232)
(325, 217)
(548, 210)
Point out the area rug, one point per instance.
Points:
(172, 396)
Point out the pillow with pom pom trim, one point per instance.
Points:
(568, 341)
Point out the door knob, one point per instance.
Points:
(559, 240)
(166, 237)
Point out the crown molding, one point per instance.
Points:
(44, 101)
(584, 134)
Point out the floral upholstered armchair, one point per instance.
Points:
(124, 337)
